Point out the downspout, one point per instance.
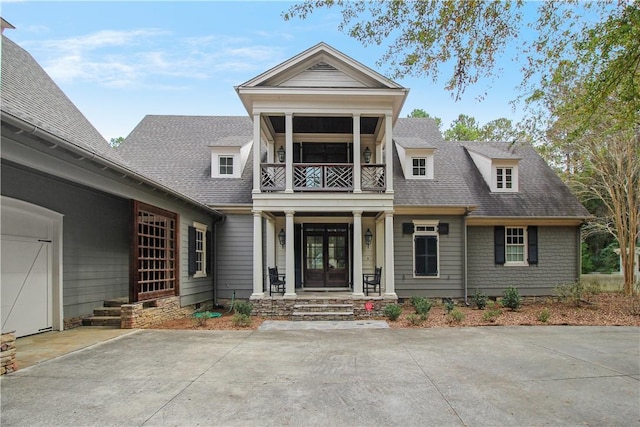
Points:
(466, 301)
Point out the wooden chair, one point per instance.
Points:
(276, 281)
(372, 281)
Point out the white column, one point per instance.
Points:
(256, 154)
(258, 277)
(271, 242)
(357, 254)
(390, 289)
(357, 169)
(388, 135)
(290, 289)
(380, 248)
(288, 142)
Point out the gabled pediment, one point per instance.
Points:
(321, 67)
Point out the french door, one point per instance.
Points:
(326, 255)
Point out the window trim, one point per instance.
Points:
(200, 229)
(504, 167)
(426, 229)
(424, 166)
(525, 246)
(226, 156)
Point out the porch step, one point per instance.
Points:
(101, 321)
(107, 311)
(116, 302)
(322, 312)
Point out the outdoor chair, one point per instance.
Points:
(372, 281)
(276, 281)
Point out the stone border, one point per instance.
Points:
(8, 353)
(148, 313)
(270, 306)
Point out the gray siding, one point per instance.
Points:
(558, 249)
(235, 256)
(451, 246)
(95, 237)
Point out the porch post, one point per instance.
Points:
(288, 142)
(388, 136)
(380, 248)
(256, 154)
(390, 289)
(357, 254)
(290, 287)
(357, 171)
(271, 242)
(258, 278)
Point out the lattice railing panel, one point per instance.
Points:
(272, 177)
(373, 178)
(339, 177)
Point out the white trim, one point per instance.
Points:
(427, 225)
(201, 228)
(504, 165)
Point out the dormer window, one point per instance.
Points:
(504, 177)
(419, 167)
(226, 165)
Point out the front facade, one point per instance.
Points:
(325, 182)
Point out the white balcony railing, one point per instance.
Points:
(321, 177)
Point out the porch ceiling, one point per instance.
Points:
(304, 124)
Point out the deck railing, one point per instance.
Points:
(322, 177)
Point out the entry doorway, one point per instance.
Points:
(326, 255)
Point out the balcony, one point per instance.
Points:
(322, 177)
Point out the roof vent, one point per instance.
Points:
(323, 66)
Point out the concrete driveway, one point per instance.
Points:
(492, 376)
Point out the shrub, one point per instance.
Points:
(456, 316)
(491, 315)
(449, 305)
(242, 320)
(511, 298)
(572, 292)
(242, 307)
(392, 311)
(544, 315)
(479, 298)
(416, 319)
(421, 305)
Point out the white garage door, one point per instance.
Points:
(26, 285)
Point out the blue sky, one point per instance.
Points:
(119, 61)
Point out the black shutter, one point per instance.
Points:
(192, 251)
(407, 228)
(498, 241)
(532, 242)
(209, 254)
(443, 228)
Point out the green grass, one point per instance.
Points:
(608, 282)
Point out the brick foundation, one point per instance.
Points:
(8, 353)
(72, 322)
(149, 313)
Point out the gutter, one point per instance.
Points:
(86, 154)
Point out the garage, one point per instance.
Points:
(29, 282)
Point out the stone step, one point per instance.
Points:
(101, 321)
(322, 315)
(311, 308)
(107, 311)
(116, 302)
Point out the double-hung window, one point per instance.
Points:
(226, 165)
(515, 245)
(198, 250)
(419, 166)
(504, 178)
(426, 249)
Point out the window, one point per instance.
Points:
(198, 237)
(425, 250)
(515, 245)
(504, 178)
(419, 166)
(226, 165)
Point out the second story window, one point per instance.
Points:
(226, 165)
(504, 178)
(419, 166)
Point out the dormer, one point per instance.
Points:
(416, 157)
(229, 156)
(498, 165)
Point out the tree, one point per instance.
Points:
(420, 113)
(501, 129)
(601, 39)
(115, 142)
(464, 128)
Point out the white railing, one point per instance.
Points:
(321, 177)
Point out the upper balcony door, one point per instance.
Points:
(318, 152)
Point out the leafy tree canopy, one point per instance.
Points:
(115, 142)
